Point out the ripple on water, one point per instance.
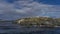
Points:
(9, 28)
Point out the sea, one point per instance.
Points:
(10, 28)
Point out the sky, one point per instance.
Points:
(15, 9)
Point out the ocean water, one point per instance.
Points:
(9, 28)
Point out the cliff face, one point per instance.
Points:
(38, 21)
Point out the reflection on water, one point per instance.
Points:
(9, 28)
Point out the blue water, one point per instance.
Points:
(9, 28)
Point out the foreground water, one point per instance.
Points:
(9, 28)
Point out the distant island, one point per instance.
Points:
(38, 21)
(2, 20)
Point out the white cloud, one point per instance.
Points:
(27, 8)
(36, 8)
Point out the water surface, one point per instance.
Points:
(9, 28)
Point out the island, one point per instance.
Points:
(38, 22)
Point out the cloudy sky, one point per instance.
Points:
(14, 9)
